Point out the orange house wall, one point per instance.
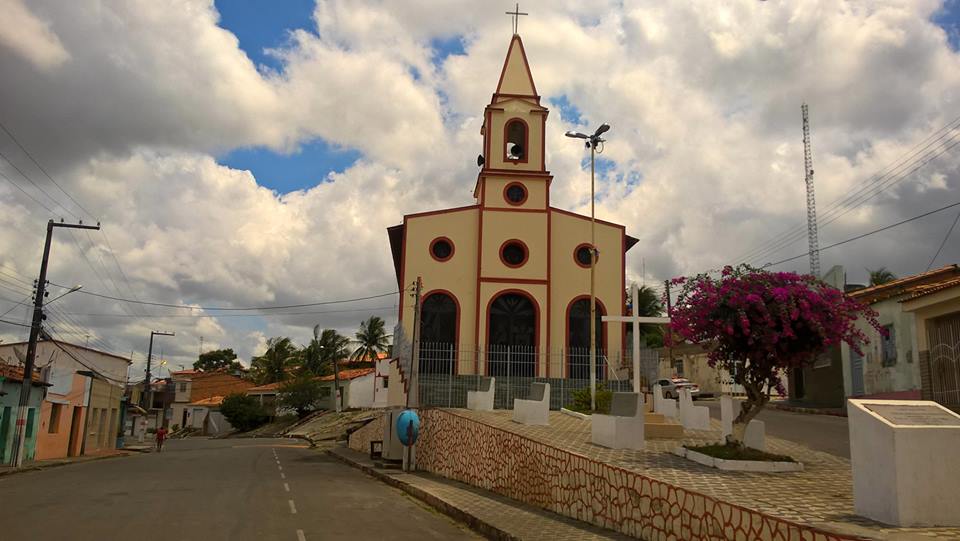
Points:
(55, 445)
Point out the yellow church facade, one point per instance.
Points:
(508, 277)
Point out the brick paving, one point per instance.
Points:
(821, 495)
(492, 514)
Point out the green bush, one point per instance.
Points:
(243, 412)
(581, 400)
(301, 395)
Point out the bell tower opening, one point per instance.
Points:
(516, 139)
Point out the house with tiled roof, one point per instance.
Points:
(11, 382)
(193, 386)
(936, 311)
(890, 365)
(356, 389)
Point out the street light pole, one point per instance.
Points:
(147, 397)
(592, 142)
(19, 437)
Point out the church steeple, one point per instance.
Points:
(514, 121)
(515, 78)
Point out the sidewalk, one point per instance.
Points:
(494, 516)
(56, 462)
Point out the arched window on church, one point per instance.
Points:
(438, 333)
(515, 141)
(578, 338)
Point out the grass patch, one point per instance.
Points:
(726, 451)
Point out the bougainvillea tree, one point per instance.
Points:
(756, 324)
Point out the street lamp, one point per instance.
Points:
(147, 398)
(591, 142)
(72, 289)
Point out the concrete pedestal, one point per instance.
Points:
(906, 470)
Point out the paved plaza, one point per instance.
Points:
(821, 495)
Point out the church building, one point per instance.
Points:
(508, 277)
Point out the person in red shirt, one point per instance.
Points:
(161, 435)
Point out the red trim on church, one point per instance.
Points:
(526, 253)
(453, 249)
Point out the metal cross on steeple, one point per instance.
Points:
(516, 13)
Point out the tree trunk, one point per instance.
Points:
(756, 400)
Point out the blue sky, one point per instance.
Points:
(261, 25)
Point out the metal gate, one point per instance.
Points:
(943, 338)
(856, 373)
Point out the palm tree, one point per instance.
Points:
(372, 339)
(275, 363)
(649, 305)
(880, 276)
(326, 347)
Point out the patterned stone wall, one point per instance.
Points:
(602, 494)
(360, 439)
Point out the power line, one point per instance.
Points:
(858, 237)
(272, 314)
(836, 213)
(17, 186)
(37, 186)
(44, 171)
(877, 183)
(942, 244)
(14, 323)
(191, 307)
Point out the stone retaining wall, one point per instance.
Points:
(360, 439)
(484, 456)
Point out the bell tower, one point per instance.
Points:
(513, 129)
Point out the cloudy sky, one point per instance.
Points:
(244, 154)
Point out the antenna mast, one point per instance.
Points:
(812, 240)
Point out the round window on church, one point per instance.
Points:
(513, 253)
(581, 254)
(441, 248)
(515, 193)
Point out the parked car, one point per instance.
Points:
(671, 387)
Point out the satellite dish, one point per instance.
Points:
(516, 151)
(480, 160)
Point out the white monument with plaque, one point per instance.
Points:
(906, 469)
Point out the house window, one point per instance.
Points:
(54, 425)
(183, 387)
(888, 354)
(386, 381)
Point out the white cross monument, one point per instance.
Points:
(636, 320)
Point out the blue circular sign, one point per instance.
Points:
(408, 427)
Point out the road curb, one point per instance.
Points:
(475, 523)
(39, 467)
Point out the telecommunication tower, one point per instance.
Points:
(812, 240)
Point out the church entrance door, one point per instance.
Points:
(512, 335)
(438, 334)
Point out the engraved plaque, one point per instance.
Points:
(909, 415)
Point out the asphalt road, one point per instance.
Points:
(827, 433)
(200, 489)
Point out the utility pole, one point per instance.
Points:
(415, 354)
(813, 241)
(147, 394)
(19, 438)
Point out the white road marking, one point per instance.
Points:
(286, 487)
(300, 536)
(279, 466)
(293, 508)
(283, 475)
